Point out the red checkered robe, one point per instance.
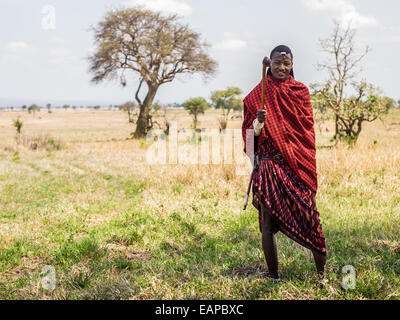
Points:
(289, 123)
(286, 188)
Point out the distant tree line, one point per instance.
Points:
(34, 107)
(228, 101)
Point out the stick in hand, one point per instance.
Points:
(261, 115)
(266, 64)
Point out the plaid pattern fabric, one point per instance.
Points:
(289, 122)
(289, 200)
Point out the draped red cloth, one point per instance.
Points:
(289, 122)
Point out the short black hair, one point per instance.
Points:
(279, 49)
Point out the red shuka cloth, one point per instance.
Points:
(289, 122)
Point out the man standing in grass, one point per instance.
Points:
(285, 181)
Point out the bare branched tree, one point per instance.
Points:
(167, 119)
(154, 46)
(343, 67)
(322, 112)
(131, 108)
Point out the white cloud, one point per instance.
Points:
(344, 11)
(16, 51)
(167, 6)
(60, 52)
(62, 56)
(230, 45)
(57, 40)
(18, 46)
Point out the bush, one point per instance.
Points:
(18, 125)
(42, 142)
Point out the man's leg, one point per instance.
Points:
(268, 242)
(320, 261)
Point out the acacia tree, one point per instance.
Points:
(154, 46)
(196, 106)
(33, 108)
(344, 66)
(227, 100)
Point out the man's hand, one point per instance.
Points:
(267, 62)
(261, 115)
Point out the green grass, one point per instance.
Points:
(200, 252)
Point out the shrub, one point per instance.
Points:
(42, 142)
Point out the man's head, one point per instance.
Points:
(281, 62)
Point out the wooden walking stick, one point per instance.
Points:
(265, 64)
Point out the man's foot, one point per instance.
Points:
(277, 280)
(322, 281)
(274, 278)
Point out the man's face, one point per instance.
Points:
(281, 65)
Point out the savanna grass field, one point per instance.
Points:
(85, 202)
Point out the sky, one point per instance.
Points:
(44, 45)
